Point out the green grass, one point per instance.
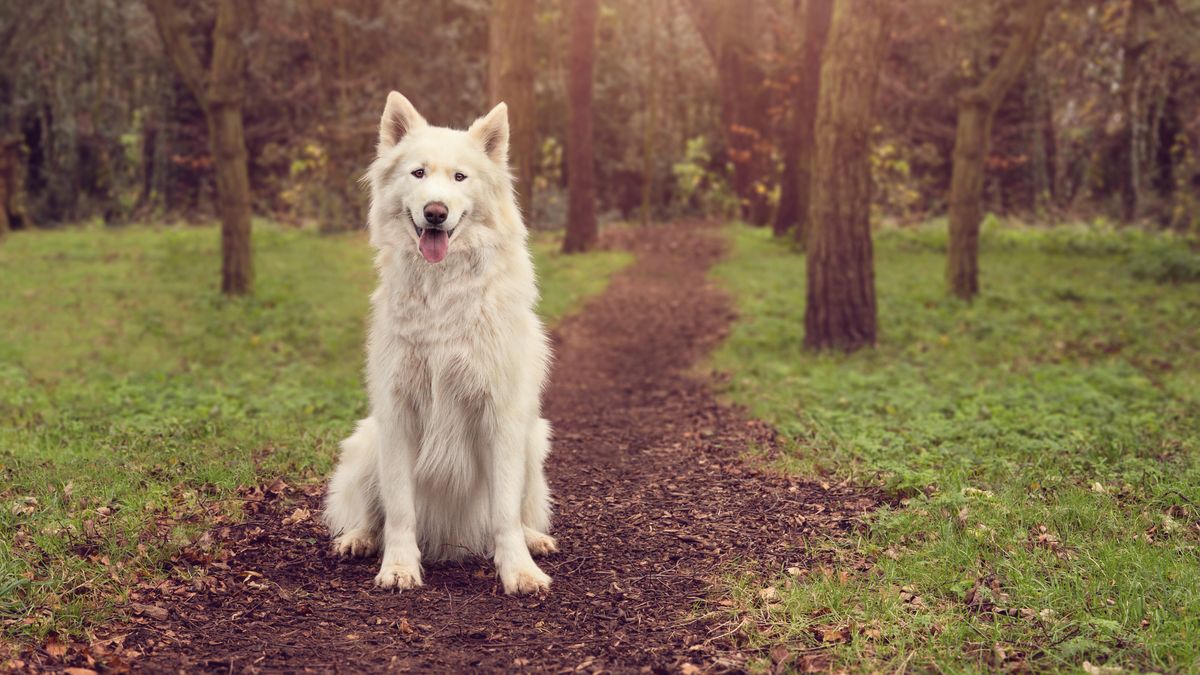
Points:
(134, 400)
(1042, 443)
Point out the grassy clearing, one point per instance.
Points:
(1044, 441)
(134, 400)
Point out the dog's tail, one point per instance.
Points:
(353, 498)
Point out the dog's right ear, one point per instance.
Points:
(399, 118)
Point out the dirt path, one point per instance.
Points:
(653, 498)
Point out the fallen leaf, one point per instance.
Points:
(152, 611)
(833, 634)
(298, 516)
(779, 655)
(55, 649)
(1099, 670)
(769, 594)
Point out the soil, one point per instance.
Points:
(656, 500)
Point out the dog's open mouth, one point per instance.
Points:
(434, 242)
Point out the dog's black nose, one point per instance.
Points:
(436, 213)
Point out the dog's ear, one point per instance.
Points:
(399, 118)
(492, 131)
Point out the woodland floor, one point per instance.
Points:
(655, 499)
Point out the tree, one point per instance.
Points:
(1136, 42)
(730, 34)
(220, 92)
(581, 173)
(794, 192)
(976, 111)
(650, 94)
(840, 310)
(510, 79)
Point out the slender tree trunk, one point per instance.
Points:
(1131, 100)
(840, 310)
(220, 90)
(794, 201)
(581, 178)
(233, 195)
(966, 196)
(976, 111)
(5, 225)
(650, 124)
(727, 28)
(510, 79)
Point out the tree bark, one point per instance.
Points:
(976, 111)
(581, 178)
(220, 91)
(840, 309)
(794, 201)
(510, 79)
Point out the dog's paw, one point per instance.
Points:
(525, 580)
(398, 576)
(539, 543)
(356, 544)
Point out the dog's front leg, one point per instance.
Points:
(518, 572)
(401, 567)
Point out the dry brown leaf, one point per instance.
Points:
(298, 516)
(152, 611)
(55, 649)
(1099, 670)
(833, 634)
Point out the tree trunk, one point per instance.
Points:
(510, 79)
(5, 226)
(227, 138)
(794, 201)
(233, 196)
(220, 92)
(728, 31)
(1132, 108)
(976, 111)
(581, 178)
(840, 311)
(650, 128)
(966, 196)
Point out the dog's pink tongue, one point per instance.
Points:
(434, 244)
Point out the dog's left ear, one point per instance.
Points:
(492, 131)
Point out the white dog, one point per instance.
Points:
(449, 463)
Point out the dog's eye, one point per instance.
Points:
(460, 176)
(419, 173)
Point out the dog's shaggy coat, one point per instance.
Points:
(449, 463)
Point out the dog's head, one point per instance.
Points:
(431, 185)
